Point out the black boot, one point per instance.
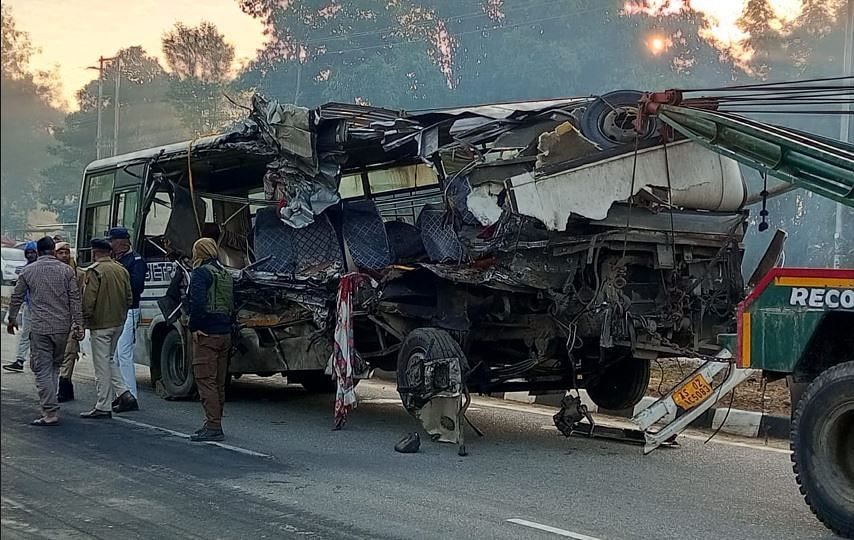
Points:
(66, 390)
(126, 402)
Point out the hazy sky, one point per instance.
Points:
(72, 34)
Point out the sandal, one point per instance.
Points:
(43, 422)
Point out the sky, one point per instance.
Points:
(72, 34)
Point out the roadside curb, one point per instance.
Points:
(735, 421)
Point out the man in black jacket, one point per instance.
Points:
(136, 267)
(211, 317)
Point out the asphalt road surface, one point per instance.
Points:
(283, 472)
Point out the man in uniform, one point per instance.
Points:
(136, 268)
(72, 349)
(54, 314)
(211, 317)
(107, 296)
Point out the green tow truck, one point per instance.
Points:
(795, 322)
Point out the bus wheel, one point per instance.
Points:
(621, 385)
(823, 448)
(176, 370)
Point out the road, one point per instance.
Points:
(284, 473)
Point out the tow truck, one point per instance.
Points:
(794, 322)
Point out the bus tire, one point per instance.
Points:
(620, 385)
(176, 369)
(822, 442)
(420, 345)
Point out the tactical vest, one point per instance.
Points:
(221, 291)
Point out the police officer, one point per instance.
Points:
(136, 268)
(211, 317)
(107, 296)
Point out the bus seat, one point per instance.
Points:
(182, 230)
(404, 240)
(365, 235)
(440, 239)
(312, 251)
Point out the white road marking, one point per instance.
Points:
(736, 443)
(553, 530)
(187, 436)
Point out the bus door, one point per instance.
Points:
(110, 199)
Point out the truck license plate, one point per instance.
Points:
(693, 392)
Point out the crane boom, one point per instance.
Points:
(818, 164)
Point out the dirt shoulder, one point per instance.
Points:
(666, 373)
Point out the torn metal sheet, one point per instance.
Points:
(288, 125)
(482, 202)
(564, 143)
(699, 179)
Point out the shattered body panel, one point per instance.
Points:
(547, 256)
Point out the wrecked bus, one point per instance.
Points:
(537, 246)
(281, 194)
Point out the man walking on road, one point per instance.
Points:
(31, 254)
(106, 298)
(211, 317)
(72, 349)
(136, 268)
(54, 314)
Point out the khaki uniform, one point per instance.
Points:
(107, 296)
(72, 349)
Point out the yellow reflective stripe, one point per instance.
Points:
(745, 340)
(841, 283)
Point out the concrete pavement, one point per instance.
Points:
(284, 473)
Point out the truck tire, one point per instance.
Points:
(822, 441)
(176, 370)
(608, 120)
(423, 344)
(621, 385)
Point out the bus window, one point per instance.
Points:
(158, 216)
(100, 187)
(154, 226)
(351, 186)
(125, 208)
(97, 223)
(96, 215)
(410, 176)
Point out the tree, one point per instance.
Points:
(147, 117)
(201, 63)
(27, 120)
(199, 52)
(395, 54)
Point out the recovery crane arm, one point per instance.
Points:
(818, 164)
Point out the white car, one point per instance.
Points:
(12, 260)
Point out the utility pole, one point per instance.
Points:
(116, 106)
(844, 124)
(99, 141)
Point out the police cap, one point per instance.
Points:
(119, 233)
(99, 244)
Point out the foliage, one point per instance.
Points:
(147, 117)
(201, 61)
(417, 54)
(26, 123)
